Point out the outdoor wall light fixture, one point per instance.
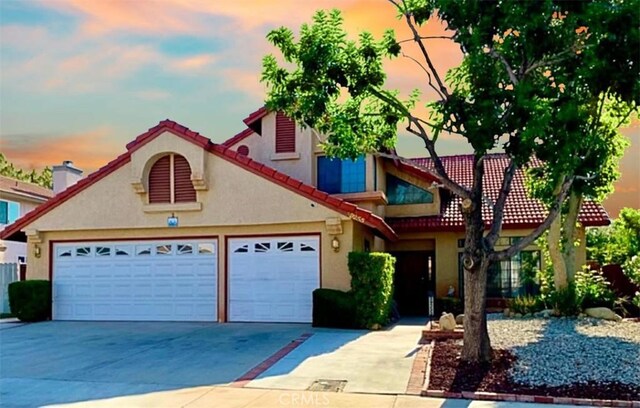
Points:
(172, 221)
(3, 247)
(37, 252)
(335, 244)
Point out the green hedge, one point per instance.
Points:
(372, 287)
(334, 308)
(30, 300)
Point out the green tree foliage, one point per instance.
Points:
(43, 178)
(617, 243)
(518, 89)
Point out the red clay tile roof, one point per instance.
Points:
(253, 116)
(23, 188)
(520, 210)
(238, 138)
(336, 204)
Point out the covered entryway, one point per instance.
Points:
(162, 280)
(271, 279)
(414, 278)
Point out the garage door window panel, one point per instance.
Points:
(83, 251)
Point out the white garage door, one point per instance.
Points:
(271, 279)
(145, 280)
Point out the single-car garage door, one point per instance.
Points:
(171, 280)
(271, 279)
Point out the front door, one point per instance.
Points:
(414, 278)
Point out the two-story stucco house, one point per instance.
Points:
(16, 199)
(181, 228)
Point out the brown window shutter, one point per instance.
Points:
(184, 191)
(285, 134)
(160, 181)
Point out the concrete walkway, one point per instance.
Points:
(225, 397)
(369, 362)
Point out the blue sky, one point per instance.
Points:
(79, 79)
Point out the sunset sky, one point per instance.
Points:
(79, 79)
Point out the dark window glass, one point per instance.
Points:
(401, 192)
(341, 176)
(511, 278)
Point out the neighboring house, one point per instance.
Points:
(181, 228)
(16, 199)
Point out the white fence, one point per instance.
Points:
(8, 273)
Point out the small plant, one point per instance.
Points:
(526, 304)
(565, 301)
(449, 305)
(631, 268)
(593, 289)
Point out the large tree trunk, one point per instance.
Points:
(476, 344)
(569, 235)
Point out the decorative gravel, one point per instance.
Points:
(561, 351)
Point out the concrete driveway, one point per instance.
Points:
(56, 362)
(365, 362)
(65, 362)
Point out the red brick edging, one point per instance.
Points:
(419, 370)
(543, 399)
(269, 362)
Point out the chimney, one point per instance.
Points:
(65, 175)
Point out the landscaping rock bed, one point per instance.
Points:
(564, 357)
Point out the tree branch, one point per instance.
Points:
(418, 40)
(428, 37)
(498, 56)
(498, 209)
(426, 72)
(554, 211)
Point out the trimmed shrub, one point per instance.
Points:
(334, 308)
(30, 300)
(448, 305)
(372, 287)
(526, 304)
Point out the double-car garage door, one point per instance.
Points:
(269, 279)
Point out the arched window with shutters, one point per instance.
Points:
(170, 181)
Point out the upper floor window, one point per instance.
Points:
(341, 176)
(285, 134)
(401, 192)
(9, 211)
(170, 181)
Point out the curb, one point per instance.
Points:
(419, 370)
(541, 399)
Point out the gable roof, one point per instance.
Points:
(520, 210)
(310, 192)
(254, 116)
(238, 138)
(24, 189)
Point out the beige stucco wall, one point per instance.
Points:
(262, 148)
(236, 202)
